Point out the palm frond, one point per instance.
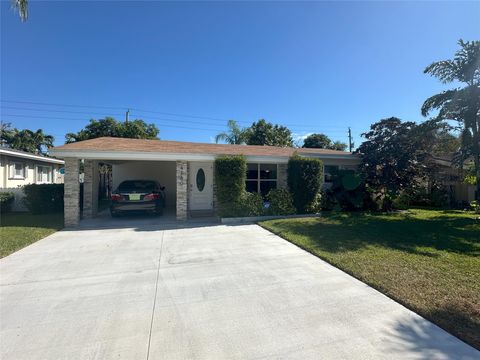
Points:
(22, 7)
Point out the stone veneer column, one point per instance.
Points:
(72, 193)
(282, 176)
(182, 190)
(89, 193)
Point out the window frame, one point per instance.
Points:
(12, 171)
(50, 174)
(259, 179)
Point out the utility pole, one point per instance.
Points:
(126, 115)
(350, 143)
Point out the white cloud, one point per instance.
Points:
(298, 138)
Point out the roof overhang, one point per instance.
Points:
(167, 156)
(30, 156)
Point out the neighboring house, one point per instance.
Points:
(18, 168)
(177, 166)
(450, 177)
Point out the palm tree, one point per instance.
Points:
(22, 7)
(461, 104)
(234, 136)
(27, 140)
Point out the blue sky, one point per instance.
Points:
(312, 66)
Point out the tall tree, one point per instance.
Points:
(135, 129)
(36, 142)
(234, 136)
(322, 141)
(461, 104)
(265, 133)
(392, 158)
(22, 7)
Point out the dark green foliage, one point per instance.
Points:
(265, 133)
(230, 175)
(36, 142)
(43, 198)
(434, 197)
(322, 141)
(249, 204)
(305, 180)
(6, 201)
(134, 129)
(281, 202)
(348, 192)
(392, 158)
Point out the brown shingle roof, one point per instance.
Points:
(164, 146)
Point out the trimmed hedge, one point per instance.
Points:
(249, 204)
(230, 176)
(305, 180)
(6, 201)
(43, 198)
(280, 202)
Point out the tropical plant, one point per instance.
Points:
(322, 141)
(393, 158)
(265, 133)
(134, 129)
(26, 140)
(461, 104)
(22, 7)
(234, 136)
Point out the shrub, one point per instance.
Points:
(436, 196)
(348, 192)
(230, 175)
(305, 179)
(249, 204)
(6, 201)
(281, 202)
(475, 206)
(43, 198)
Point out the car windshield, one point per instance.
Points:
(137, 186)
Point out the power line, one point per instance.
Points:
(72, 119)
(160, 120)
(138, 112)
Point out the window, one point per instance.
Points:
(44, 174)
(261, 178)
(17, 170)
(329, 171)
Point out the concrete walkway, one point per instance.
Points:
(201, 292)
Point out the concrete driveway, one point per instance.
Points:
(201, 292)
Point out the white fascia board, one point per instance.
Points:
(31, 156)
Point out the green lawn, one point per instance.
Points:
(18, 230)
(427, 260)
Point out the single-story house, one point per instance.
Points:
(450, 177)
(176, 165)
(18, 168)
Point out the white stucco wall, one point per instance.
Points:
(7, 182)
(162, 171)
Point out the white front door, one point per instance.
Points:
(201, 186)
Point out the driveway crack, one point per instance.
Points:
(155, 296)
